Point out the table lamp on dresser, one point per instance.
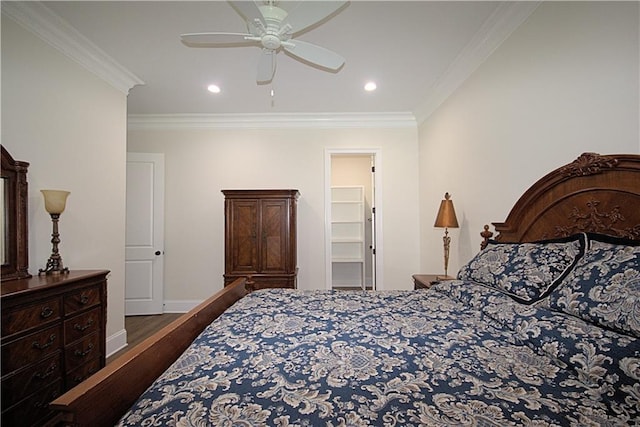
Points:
(55, 202)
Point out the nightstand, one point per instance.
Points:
(424, 281)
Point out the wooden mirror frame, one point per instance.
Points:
(15, 264)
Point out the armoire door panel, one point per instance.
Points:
(245, 230)
(274, 236)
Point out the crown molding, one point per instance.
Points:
(507, 17)
(40, 20)
(270, 121)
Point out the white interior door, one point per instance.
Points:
(144, 265)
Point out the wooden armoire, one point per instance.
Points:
(260, 237)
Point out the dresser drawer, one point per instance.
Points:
(83, 372)
(31, 348)
(82, 325)
(33, 410)
(23, 318)
(81, 299)
(29, 380)
(81, 351)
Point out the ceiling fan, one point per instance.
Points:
(272, 27)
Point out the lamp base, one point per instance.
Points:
(54, 263)
(52, 272)
(54, 267)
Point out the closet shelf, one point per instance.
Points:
(347, 236)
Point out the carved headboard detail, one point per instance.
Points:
(594, 193)
(588, 164)
(591, 219)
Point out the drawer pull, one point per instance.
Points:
(79, 353)
(84, 298)
(84, 327)
(42, 375)
(46, 312)
(44, 404)
(79, 378)
(52, 339)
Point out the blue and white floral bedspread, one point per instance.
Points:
(458, 354)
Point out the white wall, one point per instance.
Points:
(71, 127)
(200, 163)
(564, 83)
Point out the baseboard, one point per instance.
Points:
(179, 306)
(116, 342)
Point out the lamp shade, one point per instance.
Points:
(446, 214)
(55, 200)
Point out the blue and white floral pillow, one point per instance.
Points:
(604, 287)
(527, 272)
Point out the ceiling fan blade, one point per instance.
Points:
(248, 9)
(307, 13)
(315, 54)
(215, 39)
(266, 66)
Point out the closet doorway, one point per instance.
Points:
(353, 219)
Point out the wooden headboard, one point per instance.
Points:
(594, 193)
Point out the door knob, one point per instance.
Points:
(158, 253)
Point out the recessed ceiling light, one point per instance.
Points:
(213, 88)
(370, 86)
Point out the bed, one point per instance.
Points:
(540, 328)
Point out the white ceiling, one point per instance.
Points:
(416, 51)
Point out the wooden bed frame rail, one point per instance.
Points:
(105, 396)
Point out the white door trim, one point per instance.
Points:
(377, 155)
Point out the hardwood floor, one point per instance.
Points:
(140, 327)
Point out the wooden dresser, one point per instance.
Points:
(53, 337)
(260, 237)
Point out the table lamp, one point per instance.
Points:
(54, 203)
(446, 219)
